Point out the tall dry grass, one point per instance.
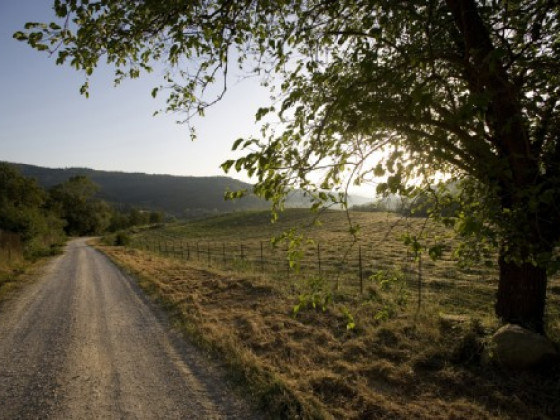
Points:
(12, 262)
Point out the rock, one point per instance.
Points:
(516, 347)
(451, 321)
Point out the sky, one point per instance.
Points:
(45, 121)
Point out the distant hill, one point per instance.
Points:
(180, 196)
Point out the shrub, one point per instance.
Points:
(122, 239)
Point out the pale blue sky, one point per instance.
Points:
(45, 121)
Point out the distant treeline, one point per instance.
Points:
(44, 217)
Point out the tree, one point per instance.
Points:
(75, 202)
(156, 217)
(22, 211)
(463, 87)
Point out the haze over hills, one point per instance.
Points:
(180, 196)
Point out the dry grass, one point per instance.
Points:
(16, 273)
(443, 284)
(12, 266)
(410, 365)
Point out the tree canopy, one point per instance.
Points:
(75, 202)
(403, 90)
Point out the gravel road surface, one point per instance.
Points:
(83, 342)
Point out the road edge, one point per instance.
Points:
(264, 390)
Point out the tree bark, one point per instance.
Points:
(521, 294)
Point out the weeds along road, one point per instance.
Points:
(83, 342)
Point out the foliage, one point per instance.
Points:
(350, 322)
(22, 211)
(296, 242)
(40, 218)
(121, 219)
(366, 89)
(391, 292)
(120, 238)
(74, 201)
(316, 294)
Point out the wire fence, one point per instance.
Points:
(350, 269)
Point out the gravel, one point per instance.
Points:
(84, 342)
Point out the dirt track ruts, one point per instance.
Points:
(83, 342)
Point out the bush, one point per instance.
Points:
(122, 239)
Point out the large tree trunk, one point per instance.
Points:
(521, 294)
(522, 287)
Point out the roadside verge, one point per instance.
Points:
(317, 366)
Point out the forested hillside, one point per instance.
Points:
(180, 196)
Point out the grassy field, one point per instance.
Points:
(344, 354)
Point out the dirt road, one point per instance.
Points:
(83, 342)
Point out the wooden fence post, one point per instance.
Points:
(361, 270)
(262, 259)
(419, 281)
(319, 257)
(288, 265)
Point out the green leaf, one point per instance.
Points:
(20, 36)
(236, 143)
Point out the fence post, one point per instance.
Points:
(209, 256)
(419, 281)
(361, 269)
(197, 252)
(319, 257)
(262, 259)
(188, 251)
(288, 265)
(224, 253)
(242, 254)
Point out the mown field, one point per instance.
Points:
(375, 333)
